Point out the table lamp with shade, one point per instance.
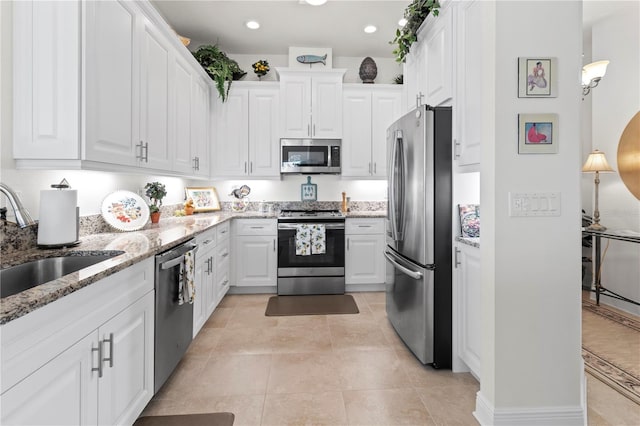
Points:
(596, 162)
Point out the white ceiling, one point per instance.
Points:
(338, 24)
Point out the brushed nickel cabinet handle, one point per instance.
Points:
(110, 340)
(456, 262)
(99, 350)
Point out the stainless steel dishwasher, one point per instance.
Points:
(174, 322)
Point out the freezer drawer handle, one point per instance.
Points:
(413, 274)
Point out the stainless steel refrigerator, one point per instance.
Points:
(418, 250)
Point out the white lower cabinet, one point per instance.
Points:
(469, 305)
(222, 256)
(204, 278)
(364, 247)
(84, 359)
(255, 252)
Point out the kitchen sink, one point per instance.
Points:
(22, 277)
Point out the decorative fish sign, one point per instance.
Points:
(312, 59)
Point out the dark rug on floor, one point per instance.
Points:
(321, 304)
(605, 367)
(207, 419)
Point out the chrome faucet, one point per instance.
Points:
(23, 218)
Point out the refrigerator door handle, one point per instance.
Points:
(396, 189)
(413, 274)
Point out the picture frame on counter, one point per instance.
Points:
(537, 133)
(205, 198)
(537, 77)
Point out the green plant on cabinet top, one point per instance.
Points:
(220, 68)
(156, 191)
(415, 14)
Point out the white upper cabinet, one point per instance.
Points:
(104, 85)
(111, 81)
(470, 79)
(367, 112)
(200, 113)
(246, 128)
(311, 103)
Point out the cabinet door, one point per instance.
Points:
(439, 62)
(470, 81)
(364, 261)
(180, 123)
(46, 60)
(222, 269)
(256, 260)
(410, 79)
(385, 109)
(295, 112)
(200, 126)
(112, 75)
(356, 140)
(203, 270)
(154, 99)
(326, 107)
(63, 391)
(127, 383)
(469, 284)
(230, 157)
(264, 137)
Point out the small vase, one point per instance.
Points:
(368, 70)
(155, 217)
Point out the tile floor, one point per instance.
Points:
(328, 370)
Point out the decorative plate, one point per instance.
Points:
(470, 220)
(125, 211)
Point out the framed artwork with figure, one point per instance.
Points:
(537, 133)
(537, 78)
(205, 199)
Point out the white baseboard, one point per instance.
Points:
(487, 415)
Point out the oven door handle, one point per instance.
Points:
(326, 225)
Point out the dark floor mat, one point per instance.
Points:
(321, 304)
(207, 419)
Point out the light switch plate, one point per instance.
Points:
(528, 204)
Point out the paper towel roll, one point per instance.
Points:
(58, 219)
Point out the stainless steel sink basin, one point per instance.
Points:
(22, 277)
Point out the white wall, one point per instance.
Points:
(531, 273)
(614, 102)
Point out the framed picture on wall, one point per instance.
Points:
(537, 77)
(204, 198)
(537, 133)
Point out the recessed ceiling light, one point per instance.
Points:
(316, 2)
(402, 22)
(370, 29)
(253, 25)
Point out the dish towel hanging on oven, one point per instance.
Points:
(310, 239)
(186, 283)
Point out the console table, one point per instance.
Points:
(629, 236)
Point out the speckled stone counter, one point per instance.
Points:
(473, 242)
(136, 246)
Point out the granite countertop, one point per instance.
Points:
(473, 242)
(137, 246)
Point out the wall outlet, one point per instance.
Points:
(522, 204)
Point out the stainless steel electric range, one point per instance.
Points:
(310, 252)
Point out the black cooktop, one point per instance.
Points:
(311, 214)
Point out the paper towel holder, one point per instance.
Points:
(55, 242)
(64, 183)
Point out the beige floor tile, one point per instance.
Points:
(204, 342)
(426, 376)
(244, 300)
(219, 318)
(375, 297)
(245, 340)
(357, 336)
(609, 405)
(385, 407)
(246, 408)
(295, 373)
(250, 316)
(163, 407)
(232, 374)
(326, 408)
(310, 322)
(363, 317)
(376, 369)
(178, 386)
(450, 405)
(300, 339)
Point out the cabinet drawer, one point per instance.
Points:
(364, 226)
(222, 254)
(222, 231)
(256, 227)
(206, 239)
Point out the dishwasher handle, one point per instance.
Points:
(179, 255)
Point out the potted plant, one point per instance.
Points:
(156, 191)
(220, 68)
(415, 14)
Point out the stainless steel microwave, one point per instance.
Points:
(310, 156)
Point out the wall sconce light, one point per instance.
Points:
(596, 162)
(592, 74)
